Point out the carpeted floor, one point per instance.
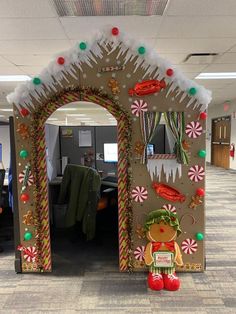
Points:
(86, 280)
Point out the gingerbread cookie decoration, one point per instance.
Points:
(162, 253)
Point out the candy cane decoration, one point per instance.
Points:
(169, 207)
(189, 246)
(196, 173)
(139, 106)
(26, 178)
(193, 129)
(139, 253)
(29, 252)
(139, 194)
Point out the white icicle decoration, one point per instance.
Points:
(170, 168)
(151, 63)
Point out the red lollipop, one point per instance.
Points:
(115, 31)
(24, 112)
(200, 192)
(203, 115)
(24, 197)
(61, 60)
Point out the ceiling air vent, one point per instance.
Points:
(200, 58)
(109, 7)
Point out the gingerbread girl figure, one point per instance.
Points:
(162, 253)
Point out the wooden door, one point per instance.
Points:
(220, 143)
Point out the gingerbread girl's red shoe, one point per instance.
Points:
(162, 253)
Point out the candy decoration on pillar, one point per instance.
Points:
(139, 106)
(193, 129)
(61, 60)
(202, 153)
(196, 173)
(200, 192)
(28, 236)
(24, 197)
(169, 72)
(24, 153)
(82, 45)
(139, 253)
(167, 192)
(203, 115)
(139, 194)
(26, 178)
(189, 246)
(24, 112)
(29, 253)
(115, 31)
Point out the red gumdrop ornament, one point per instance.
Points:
(24, 112)
(169, 72)
(115, 31)
(61, 60)
(24, 197)
(203, 115)
(200, 192)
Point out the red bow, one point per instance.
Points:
(170, 246)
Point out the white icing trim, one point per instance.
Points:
(152, 64)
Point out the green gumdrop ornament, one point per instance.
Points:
(82, 45)
(36, 81)
(27, 236)
(141, 50)
(192, 91)
(202, 153)
(199, 236)
(24, 154)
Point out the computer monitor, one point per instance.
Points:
(110, 152)
(150, 149)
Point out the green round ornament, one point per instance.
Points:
(192, 91)
(202, 153)
(24, 154)
(28, 236)
(82, 45)
(36, 81)
(141, 50)
(199, 236)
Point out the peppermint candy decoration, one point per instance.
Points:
(139, 194)
(139, 253)
(29, 180)
(196, 173)
(139, 106)
(29, 252)
(169, 207)
(189, 246)
(193, 129)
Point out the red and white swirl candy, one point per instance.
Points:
(169, 207)
(139, 194)
(196, 173)
(139, 106)
(193, 129)
(139, 253)
(29, 252)
(189, 246)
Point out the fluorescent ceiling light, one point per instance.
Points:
(66, 109)
(82, 118)
(6, 109)
(14, 78)
(216, 76)
(1, 116)
(52, 119)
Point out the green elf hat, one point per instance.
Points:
(167, 216)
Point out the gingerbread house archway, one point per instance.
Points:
(138, 87)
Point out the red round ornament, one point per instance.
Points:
(203, 115)
(169, 72)
(61, 60)
(115, 31)
(200, 192)
(24, 112)
(24, 197)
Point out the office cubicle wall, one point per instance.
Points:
(53, 150)
(70, 146)
(5, 141)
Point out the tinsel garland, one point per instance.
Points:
(39, 118)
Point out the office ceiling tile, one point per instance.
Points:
(202, 7)
(4, 62)
(198, 27)
(226, 58)
(10, 70)
(221, 68)
(31, 28)
(30, 70)
(26, 8)
(38, 60)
